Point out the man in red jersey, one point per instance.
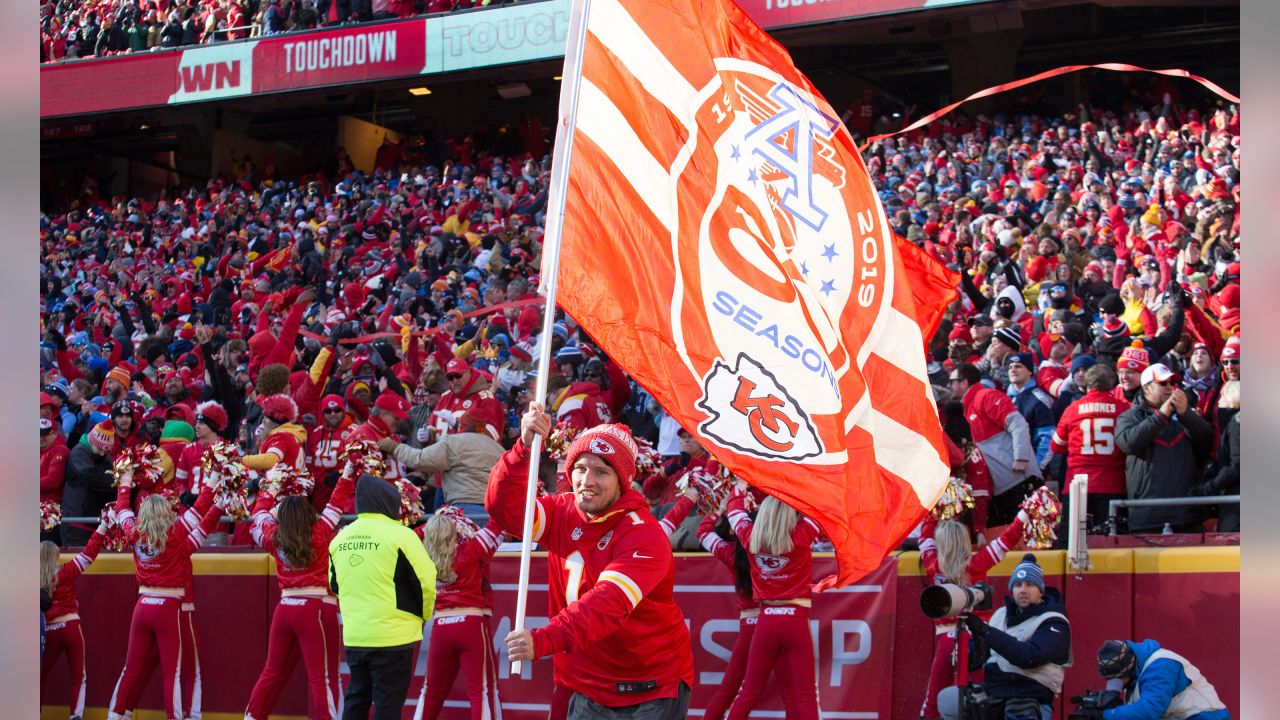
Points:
(324, 442)
(620, 641)
(1086, 433)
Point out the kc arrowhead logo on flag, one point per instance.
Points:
(722, 241)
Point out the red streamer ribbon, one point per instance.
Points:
(1065, 69)
(429, 331)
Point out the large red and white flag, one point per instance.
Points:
(722, 241)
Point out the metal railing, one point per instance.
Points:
(1113, 511)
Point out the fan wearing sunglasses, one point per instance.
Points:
(1166, 441)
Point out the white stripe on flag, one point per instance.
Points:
(614, 28)
(907, 454)
(901, 345)
(600, 120)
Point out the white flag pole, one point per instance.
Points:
(567, 121)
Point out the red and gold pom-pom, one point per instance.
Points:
(364, 457)
(284, 480)
(228, 477)
(144, 460)
(1044, 509)
(558, 442)
(115, 540)
(50, 515)
(466, 527)
(410, 502)
(712, 488)
(648, 461)
(957, 497)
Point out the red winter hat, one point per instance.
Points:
(46, 399)
(961, 332)
(279, 408)
(1134, 357)
(393, 404)
(212, 414)
(612, 444)
(1232, 348)
(103, 436)
(331, 402)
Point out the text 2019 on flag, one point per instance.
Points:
(722, 241)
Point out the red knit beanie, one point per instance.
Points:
(612, 444)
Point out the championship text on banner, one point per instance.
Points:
(723, 242)
(852, 632)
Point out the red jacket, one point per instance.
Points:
(170, 568)
(315, 575)
(373, 430)
(470, 588)
(778, 578)
(53, 466)
(475, 398)
(64, 589)
(621, 623)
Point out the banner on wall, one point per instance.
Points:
(349, 55)
(524, 32)
(852, 629)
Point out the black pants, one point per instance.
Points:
(676, 708)
(1004, 507)
(379, 676)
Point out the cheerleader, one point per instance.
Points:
(306, 619)
(62, 621)
(779, 545)
(718, 539)
(460, 632)
(948, 557)
(162, 546)
(190, 670)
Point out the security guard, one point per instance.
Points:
(386, 588)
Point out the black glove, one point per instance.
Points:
(332, 478)
(977, 626)
(57, 339)
(187, 499)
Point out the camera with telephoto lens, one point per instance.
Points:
(1093, 702)
(947, 600)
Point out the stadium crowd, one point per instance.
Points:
(72, 29)
(1096, 332)
(1109, 240)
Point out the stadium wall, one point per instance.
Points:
(874, 645)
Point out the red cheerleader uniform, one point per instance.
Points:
(461, 635)
(161, 575)
(62, 632)
(782, 584)
(305, 621)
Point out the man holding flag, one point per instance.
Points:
(620, 641)
(773, 311)
(727, 246)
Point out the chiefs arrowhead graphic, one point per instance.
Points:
(751, 412)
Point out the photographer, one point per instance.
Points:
(1157, 683)
(1028, 642)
